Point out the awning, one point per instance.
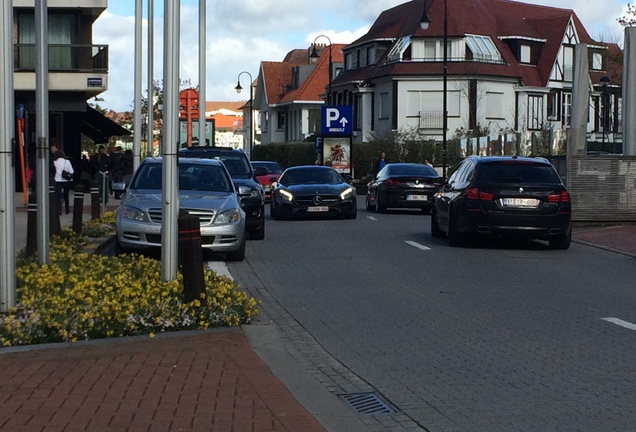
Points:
(98, 127)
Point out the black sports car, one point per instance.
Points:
(312, 191)
(403, 185)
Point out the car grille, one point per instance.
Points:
(205, 217)
(308, 200)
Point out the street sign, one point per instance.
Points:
(336, 120)
(317, 144)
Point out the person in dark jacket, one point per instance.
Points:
(380, 163)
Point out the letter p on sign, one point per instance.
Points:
(332, 115)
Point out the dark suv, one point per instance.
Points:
(242, 174)
(503, 195)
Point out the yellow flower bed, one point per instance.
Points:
(79, 296)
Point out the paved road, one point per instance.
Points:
(496, 337)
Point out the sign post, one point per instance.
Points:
(336, 129)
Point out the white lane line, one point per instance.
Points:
(417, 245)
(371, 218)
(621, 323)
(220, 268)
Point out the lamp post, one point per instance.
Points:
(604, 111)
(238, 89)
(314, 56)
(424, 22)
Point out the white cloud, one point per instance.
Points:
(242, 33)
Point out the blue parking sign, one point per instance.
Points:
(336, 120)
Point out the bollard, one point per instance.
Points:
(78, 208)
(32, 226)
(95, 201)
(54, 214)
(191, 257)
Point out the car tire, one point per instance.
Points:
(370, 207)
(426, 210)
(379, 207)
(436, 232)
(259, 234)
(272, 212)
(455, 239)
(562, 241)
(239, 254)
(119, 249)
(352, 215)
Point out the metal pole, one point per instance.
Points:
(170, 205)
(137, 104)
(151, 82)
(7, 188)
(445, 96)
(330, 73)
(251, 118)
(42, 127)
(202, 64)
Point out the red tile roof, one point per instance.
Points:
(315, 84)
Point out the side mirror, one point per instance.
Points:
(348, 178)
(119, 186)
(272, 179)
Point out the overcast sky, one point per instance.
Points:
(242, 33)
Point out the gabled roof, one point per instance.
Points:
(217, 106)
(493, 18)
(275, 76)
(315, 84)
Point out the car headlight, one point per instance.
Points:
(227, 217)
(286, 195)
(255, 193)
(348, 192)
(134, 213)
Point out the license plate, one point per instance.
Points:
(520, 202)
(267, 188)
(318, 209)
(416, 198)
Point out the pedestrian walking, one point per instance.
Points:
(63, 180)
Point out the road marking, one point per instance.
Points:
(220, 268)
(371, 218)
(417, 245)
(621, 323)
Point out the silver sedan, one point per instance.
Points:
(205, 190)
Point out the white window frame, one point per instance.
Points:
(483, 48)
(525, 54)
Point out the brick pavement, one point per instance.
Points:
(195, 381)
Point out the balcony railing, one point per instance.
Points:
(431, 119)
(64, 58)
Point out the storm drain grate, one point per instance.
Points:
(367, 403)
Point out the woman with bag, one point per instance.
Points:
(63, 179)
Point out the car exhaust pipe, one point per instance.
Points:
(483, 230)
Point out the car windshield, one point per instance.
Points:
(310, 176)
(516, 173)
(412, 170)
(192, 177)
(271, 167)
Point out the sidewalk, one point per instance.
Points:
(186, 381)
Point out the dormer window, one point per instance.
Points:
(597, 61)
(525, 54)
(482, 48)
(399, 49)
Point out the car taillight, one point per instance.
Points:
(476, 194)
(391, 182)
(564, 196)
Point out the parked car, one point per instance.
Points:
(242, 174)
(205, 190)
(313, 190)
(403, 185)
(504, 196)
(267, 172)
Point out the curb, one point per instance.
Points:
(606, 248)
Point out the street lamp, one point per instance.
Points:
(424, 22)
(238, 89)
(314, 56)
(605, 102)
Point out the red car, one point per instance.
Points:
(266, 173)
